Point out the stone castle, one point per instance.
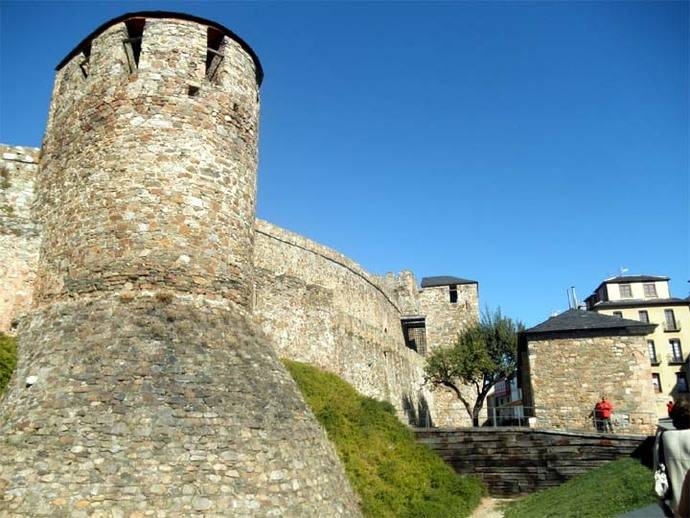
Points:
(151, 306)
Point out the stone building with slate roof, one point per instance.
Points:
(566, 363)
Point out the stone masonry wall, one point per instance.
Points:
(135, 159)
(142, 385)
(445, 319)
(346, 341)
(19, 233)
(164, 404)
(569, 375)
(514, 461)
(322, 308)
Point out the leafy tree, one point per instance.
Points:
(483, 354)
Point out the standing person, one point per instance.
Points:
(672, 449)
(596, 414)
(606, 409)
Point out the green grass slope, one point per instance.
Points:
(8, 360)
(608, 491)
(393, 475)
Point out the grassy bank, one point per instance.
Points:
(394, 476)
(607, 491)
(8, 359)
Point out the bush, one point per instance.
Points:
(610, 490)
(8, 360)
(393, 475)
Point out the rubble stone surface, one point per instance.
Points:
(152, 392)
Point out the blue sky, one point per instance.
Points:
(529, 146)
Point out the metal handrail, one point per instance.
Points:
(529, 416)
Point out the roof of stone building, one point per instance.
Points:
(444, 280)
(672, 301)
(581, 320)
(167, 14)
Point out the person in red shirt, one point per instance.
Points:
(669, 407)
(605, 410)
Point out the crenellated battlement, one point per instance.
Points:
(149, 162)
(152, 52)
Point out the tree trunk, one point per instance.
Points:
(475, 415)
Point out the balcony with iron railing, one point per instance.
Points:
(671, 327)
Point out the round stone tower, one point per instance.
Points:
(142, 384)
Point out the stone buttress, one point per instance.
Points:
(141, 383)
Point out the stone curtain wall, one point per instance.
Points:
(404, 290)
(345, 341)
(568, 376)
(321, 308)
(514, 461)
(153, 392)
(19, 233)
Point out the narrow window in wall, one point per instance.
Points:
(652, 352)
(681, 382)
(625, 290)
(670, 318)
(135, 32)
(214, 56)
(644, 316)
(414, 332)
(676, 351)
(84, 65)
(650, 291)
(618, 314)
(453, 293)
(656, 382)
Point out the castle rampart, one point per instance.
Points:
(19, 232)
(148, 373)
(322, 308)
(142, 385)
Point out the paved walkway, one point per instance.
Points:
(651, 511)
(489, 508)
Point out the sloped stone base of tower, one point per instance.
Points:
(159, 403)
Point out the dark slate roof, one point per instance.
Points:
(444, 280)
(637, 278)
(632, 278)
(581, 320)
(631, 303)
(167, 14)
